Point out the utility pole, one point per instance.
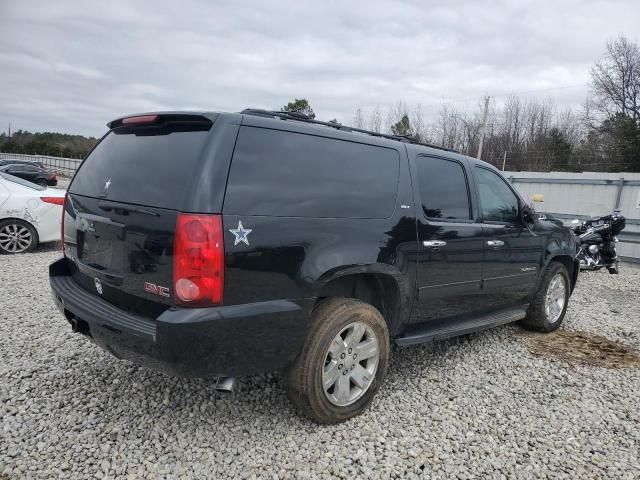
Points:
(504, 160)
(484, 124)
(9, 130)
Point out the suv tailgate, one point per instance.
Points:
(121, 211)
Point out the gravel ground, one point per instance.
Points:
(480, 406)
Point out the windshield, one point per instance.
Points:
(20, 181)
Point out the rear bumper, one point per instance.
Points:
(194, 342)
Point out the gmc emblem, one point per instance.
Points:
(156, 289)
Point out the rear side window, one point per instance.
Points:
(443, 189)
(290, 174)
(151, 170)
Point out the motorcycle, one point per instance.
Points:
(598, 241)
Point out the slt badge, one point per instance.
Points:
(241, 234)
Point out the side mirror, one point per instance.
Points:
(528, 214)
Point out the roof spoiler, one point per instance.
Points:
(162, 119)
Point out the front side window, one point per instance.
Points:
(443, 189)
(497, 200)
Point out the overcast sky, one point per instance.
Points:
(73, 66)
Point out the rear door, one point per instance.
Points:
(449, 270)
(512, 251)
(122, 207)
(299, 205)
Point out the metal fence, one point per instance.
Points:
(568, 196)
(63, 166)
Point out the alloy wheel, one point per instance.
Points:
(350, 364)
(555, 298)
(15, 238)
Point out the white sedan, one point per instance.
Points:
(29, 214)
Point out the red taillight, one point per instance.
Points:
(64, 202)
(54, 200)
(198, 260)
(140, 119)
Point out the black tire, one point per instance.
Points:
(537, 318)
(42, 183)
(304, 377)
(14, 222)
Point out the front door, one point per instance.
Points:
(450, 244)
(512, 251)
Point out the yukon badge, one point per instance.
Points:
(241, 234)
(98, 285)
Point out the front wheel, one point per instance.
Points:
(549, 304)
(342, 363)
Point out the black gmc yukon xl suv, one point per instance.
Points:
(222, 244)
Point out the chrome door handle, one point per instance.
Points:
(495, 243)
(434, 243)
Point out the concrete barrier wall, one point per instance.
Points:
(583, 195)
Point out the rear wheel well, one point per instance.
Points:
(378, 290)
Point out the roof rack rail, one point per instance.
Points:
(301, 117)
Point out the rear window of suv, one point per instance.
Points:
(151, 170)
(287, 174)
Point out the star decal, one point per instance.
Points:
(241, 233)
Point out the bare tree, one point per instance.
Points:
(616, 79)
(568, 124)
(529, 134)
(396, 114)
(358, 119)
(418, 124)
(375, 121)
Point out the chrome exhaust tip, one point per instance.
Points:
(225, 384)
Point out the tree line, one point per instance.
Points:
(47, 143)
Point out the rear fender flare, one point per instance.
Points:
(400, 280)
